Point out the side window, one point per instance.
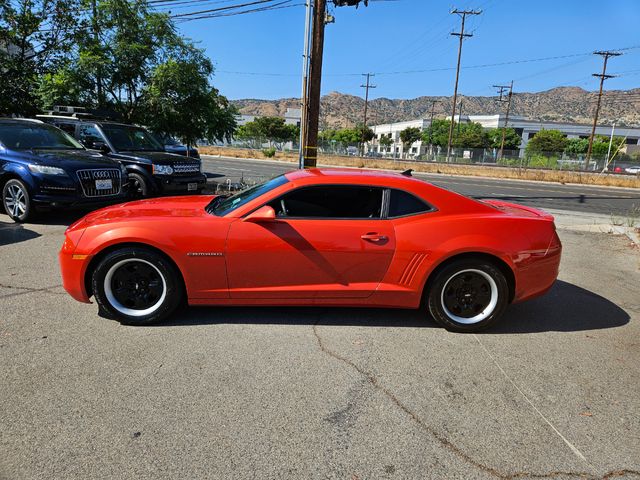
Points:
(89, 135)
(335, 201)
(402, 203)
(69, 128)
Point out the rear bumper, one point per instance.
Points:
(538, 276)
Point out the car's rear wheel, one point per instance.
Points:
(138, 186)
(468, 295)
(16, 200)
(136, 286)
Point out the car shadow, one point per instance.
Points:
(11, 233)
(566, 308)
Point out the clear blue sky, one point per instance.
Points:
(405, 35)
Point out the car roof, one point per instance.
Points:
(19, 121)
(351, 175)
(88, 120)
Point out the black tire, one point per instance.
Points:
(468, 295)
(16, 200)
(137, 286)
(138, 186)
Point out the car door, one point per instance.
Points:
(326, 242)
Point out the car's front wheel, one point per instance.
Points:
(468, 295)
(138, 186)
(16, 200)
(136, 286)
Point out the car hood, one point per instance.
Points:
(69, 159)
(159, 158)
(183, 206)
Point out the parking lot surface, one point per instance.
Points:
(292, 393)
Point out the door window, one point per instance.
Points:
(334, 201)
(89, 135)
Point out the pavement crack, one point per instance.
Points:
(26, 290)
(445, 442)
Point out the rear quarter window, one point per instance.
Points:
(402, 203)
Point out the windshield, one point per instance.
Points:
(29, 136)
(127, 138)
(220, 206)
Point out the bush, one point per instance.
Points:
(269, 152)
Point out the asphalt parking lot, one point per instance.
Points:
(291, 393)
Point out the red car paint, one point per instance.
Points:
(368, 262)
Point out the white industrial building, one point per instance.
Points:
(525, 128)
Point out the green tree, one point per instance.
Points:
(114, 67)
(437, 133)
(385, 141)
(547, 141)
(576, 146)
(470, 135)
(180, 102)
(273, 129)
(512, 140)
(409, 136)
(35, 36)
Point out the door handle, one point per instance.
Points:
(373, 237)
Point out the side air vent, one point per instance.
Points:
(412, 267)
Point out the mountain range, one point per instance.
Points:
(561, 104)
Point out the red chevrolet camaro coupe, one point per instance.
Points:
(335, 237)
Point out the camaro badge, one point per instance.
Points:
(204, 254)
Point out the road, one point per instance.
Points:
(320, 393)
(617, 202)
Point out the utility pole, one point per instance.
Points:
(501, 90)
(367, 86)
(463, 15)
(605, 54)
(310, 150)
(96, 38)
(304, 112)
(433, 111)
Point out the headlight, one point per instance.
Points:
(162, 169)
(46, 170)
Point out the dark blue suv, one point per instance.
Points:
(41, 166)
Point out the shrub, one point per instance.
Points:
(269, 152)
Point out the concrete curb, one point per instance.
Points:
(594, 223)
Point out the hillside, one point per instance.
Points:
(565, 104)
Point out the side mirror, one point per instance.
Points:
(101, 146)
(263, 214)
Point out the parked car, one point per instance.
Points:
(337, 237)
(634, 170)
(152, 171)
(172, 145)
(41, 166)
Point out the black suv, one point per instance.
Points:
(152, 171)
(41, 165)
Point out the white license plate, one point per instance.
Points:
(192, 186)
(104, 184)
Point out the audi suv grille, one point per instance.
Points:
(89, 178)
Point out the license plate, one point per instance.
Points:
(104, 184)
(192, 186)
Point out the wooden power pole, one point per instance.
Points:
(501, 90)
(603, 76)
(366, 86)
(463, 15)
(310, 145)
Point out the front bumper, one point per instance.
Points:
(172, 184)
(73, 267)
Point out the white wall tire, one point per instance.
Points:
(137, 286)
(468, 295)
